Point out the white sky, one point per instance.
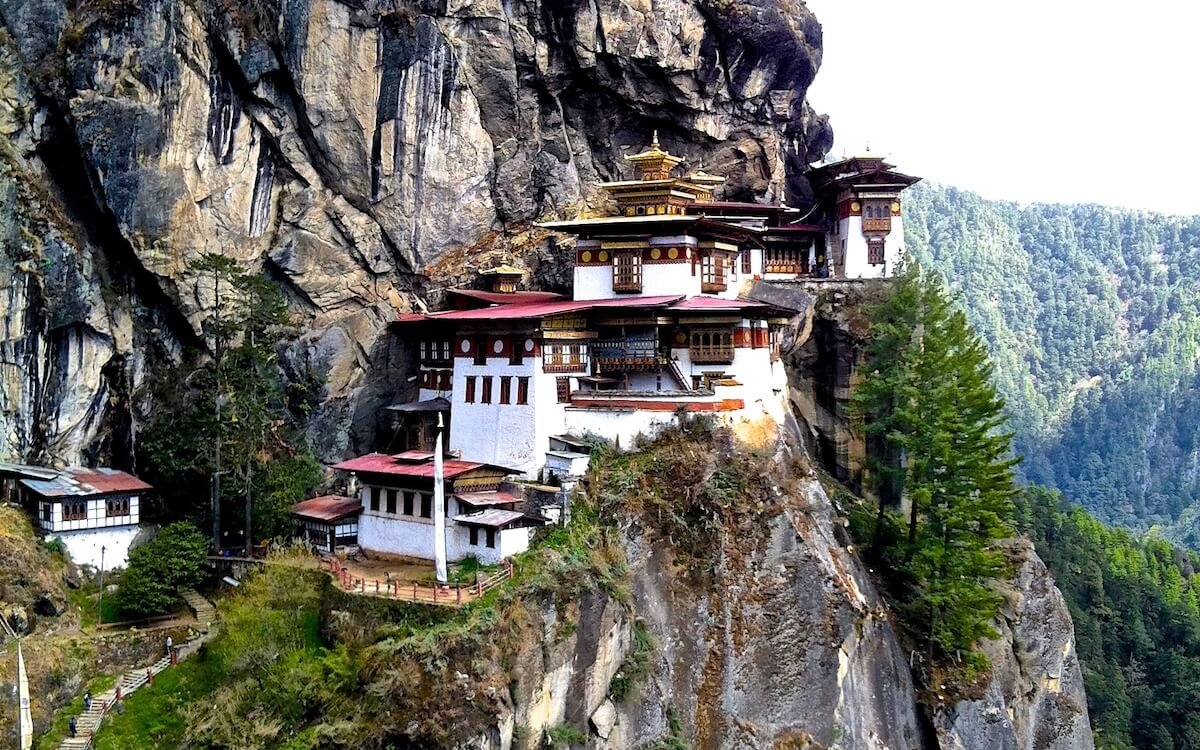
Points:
(1029, 100)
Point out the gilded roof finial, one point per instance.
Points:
(654, 140)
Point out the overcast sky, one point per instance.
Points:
(1029, 100)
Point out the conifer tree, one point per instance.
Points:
(928, 401)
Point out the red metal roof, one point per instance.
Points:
(543, 309)
(487, 498)
(506, 298)
(328, 508)
(714, 303)
(80, 482)
(382, 463)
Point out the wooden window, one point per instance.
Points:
(469, 395)
(391, 501)
(875, 251)
(473, 532)
(877, 217)
(523, 390)
(479, 343)
(75, 511)
(564, 390)
(517, 355)
(506, 389)
(435, 352)
(48, 512)
(627, 272)
(426, 506)
(565, 357)
(746, 260)
(487, 390)
(374, 498)
(711, 345)
(712, 272)
(117, 506)
(408, 503)
(491, 538)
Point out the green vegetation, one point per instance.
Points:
(160, 568)
(92, 610)
(240, 402)
(563, 736)
(1093, 321)
(1136, 608)
(636, 665)
(929, 403)
(674, 739)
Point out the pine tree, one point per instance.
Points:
(929, 403)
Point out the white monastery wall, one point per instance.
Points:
(84, 546)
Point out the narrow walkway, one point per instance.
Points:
(88, 722)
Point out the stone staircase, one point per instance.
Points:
(88, 722)
(205, 612)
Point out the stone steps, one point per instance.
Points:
(88, 722)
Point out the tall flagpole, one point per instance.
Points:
(24, 717)
(439, 508)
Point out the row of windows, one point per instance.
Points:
(435, 351)
(506, 389)
(408, 503)
(877, 211)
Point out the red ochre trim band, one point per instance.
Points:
(728, 404)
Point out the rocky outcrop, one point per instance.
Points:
(794, 645)
(343, 148)
(1035, 698)
(785, 644)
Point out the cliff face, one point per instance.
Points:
(343, 147)
(784, 643)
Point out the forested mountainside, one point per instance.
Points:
(1136, 608)
(1093, 316)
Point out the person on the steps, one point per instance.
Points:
(71, 726)
(87, 701)
(169, 644)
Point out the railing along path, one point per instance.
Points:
(412, 591)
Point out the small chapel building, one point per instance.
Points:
(96, 513)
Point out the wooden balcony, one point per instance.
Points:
(877, 225)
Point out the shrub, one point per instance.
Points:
(158, 569)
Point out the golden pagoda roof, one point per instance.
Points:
(654, 153)
(503, 271)
(700, 177)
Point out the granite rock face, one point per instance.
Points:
(1035, 698)
(344, 148)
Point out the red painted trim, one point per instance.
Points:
(741, 337)
(728, 404)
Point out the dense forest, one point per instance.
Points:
(1093, 318)
(1135, 603)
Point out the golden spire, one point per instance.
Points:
(654, 163)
